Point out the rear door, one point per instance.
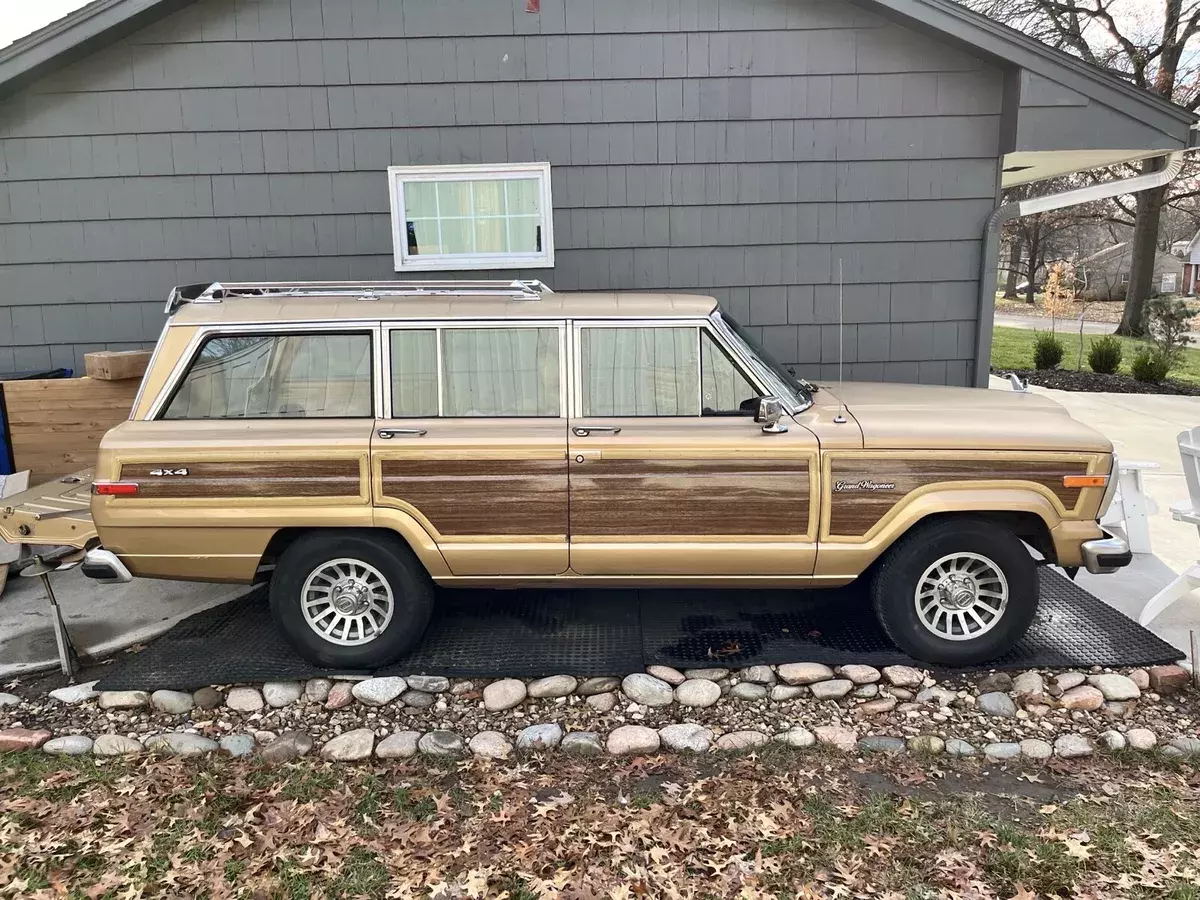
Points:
(473, 441)
(669, 473)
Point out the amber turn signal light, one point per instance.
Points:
(1082, 481)
(115, 488)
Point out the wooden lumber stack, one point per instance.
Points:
(55, 425)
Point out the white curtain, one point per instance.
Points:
(721, 383)
(414, 373)
(640, 371)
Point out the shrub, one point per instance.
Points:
(1169, 320)
(1105, 355)
(1047, 351)
(1151, 365)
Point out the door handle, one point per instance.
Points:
(389, 433)
(585, 430)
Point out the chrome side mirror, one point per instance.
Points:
(769, 413)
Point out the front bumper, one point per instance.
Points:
(1105, 555)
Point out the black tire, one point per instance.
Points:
(409, 583)
(895, 583)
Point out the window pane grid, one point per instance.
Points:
(491, 231)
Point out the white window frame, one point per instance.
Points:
(398, 176)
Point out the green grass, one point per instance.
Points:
(1012, 348)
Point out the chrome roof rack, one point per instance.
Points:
(217, 292)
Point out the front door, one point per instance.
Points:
(473, 443)
(669, 473)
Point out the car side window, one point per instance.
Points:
(650, 371)
(474, 372)
(277, 376)
(724, 390)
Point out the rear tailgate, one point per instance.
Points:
(58, 512)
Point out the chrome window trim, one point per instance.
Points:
(439, 325)
(137, 398)
(204, 332)
(778, 387)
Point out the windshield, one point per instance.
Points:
(803, 389)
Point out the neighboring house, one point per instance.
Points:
(1190, 254)
(764, 151)
(1105, 275)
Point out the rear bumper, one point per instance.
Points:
(1105, 555)
(104, 566)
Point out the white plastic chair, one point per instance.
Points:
(1189, 455)
(1131, 508)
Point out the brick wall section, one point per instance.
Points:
(735, 147)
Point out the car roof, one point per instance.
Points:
(350, 307)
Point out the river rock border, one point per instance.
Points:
(858, 709)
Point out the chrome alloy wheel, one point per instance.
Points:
(347, 602)
(961, 596)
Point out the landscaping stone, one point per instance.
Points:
(288, 746)
(837, 736)
(540, 737)
(1167, 680)
(8, 699)
(68, 745)
(208, 698)
(1068, 680)
(123, 699)
(797, 736)
(647, 690)
(937, 696)
(860, 674)
(279, 694)
(244, 699)
(671, 676)
(316, 690)
(490, 745)
(582, 743)
(1141, 739)
(1114, 686)
(441, 743)
(698, 692)
(182, 743)
(503, 694)
(116, 745)
(75, 693)
(1188, 746)
(601, 684)
(400, 745)
(995, 682)
(602, 703)
(1113, 740)
(1084, 697)
(340, 696)
(554, 686)
(741, 740)
(350, 746)
(1070, 746)
(429, 684)
(238, 745)
(831, 690)
(1141, 678)
(996, 704)
(1032, 748)
(784, 692)
(867, 691)
(711, 673)
(804, 673)
(746, 690)
(903, 676)
(628, 740)
(959, 747)
(686, 736)
(926, 743)
(379, 691)
(417, 699)
(173, 703)
(877, 743)
(876, 707)
(22, 739)
(757, 675)
(1005, 750)
(1028, 683)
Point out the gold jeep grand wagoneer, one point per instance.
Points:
(356, 444)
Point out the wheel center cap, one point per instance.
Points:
(350, 599)
(957, 593)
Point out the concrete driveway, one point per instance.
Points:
(1143, 427)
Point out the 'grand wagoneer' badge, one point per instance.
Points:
(865, 485)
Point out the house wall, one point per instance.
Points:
(746, 148)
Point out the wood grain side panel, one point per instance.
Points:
(301, 478)
(689, 497)
(482, 496)
(855, 507)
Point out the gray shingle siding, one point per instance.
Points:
(736, 147)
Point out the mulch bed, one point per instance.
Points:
(1070, 380)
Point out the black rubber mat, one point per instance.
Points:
(602, 632)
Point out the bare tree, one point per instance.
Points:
(1148, 46)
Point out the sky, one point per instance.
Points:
(19, 17)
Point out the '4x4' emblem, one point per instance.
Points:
(167, 472)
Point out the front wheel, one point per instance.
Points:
(351, 600)
(956, 591)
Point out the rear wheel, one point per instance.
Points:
(351, 599)
(956, 591)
